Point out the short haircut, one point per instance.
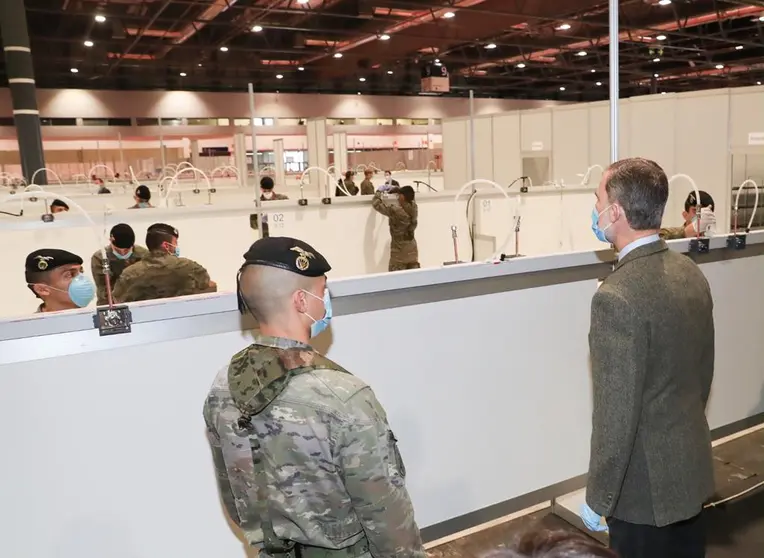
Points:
(159, 233)
(266, 183)
(142, 192)
(408, 193)
(36, 278)
(368, 171)
(267, 290)
(123, 236)
(348, 175)
(641, 187)
(554, 544)
(705, 200)
(59, 203)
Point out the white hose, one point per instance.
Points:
(224, 168)
(47, 170)
(755, 203)
(51, 196)
(434, 165)
(328, 175)
(401, 165)
(361, 168)
(174, 181)
(587, 174)
(504, 193)
(184, 164)
(697, 194)
(113, 176)
(77, 177)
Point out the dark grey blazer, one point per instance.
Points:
(652, 350)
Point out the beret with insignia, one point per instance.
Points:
(289, 254)
(47, 259)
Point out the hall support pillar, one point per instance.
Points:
(195, 153)
(278, 163)
(18, 64)
(318, 154)
(240, 157)
(340, 141)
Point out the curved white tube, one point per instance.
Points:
(224, 168)
(434, 165)
(328, 175)
(77, 177)
(400, 166)
(587, 174)
(184, 164)
(70, 202)
(174, 181)
(755, 203)
(697, 193)
(361, 167)
(267, 169)
(47, 170)
(331, 169)
(113, 176)
(506, 195)
(374, 166)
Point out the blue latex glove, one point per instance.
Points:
(592, 519)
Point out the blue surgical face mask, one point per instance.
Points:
(144, 205)
(599, 232)
(81, 290)
(320, 325)
(122, 256)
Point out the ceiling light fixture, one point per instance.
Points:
(338, 55)
(599, 83)
(520, 65)
(74, 70)
(224, 49)
(183, 74)
(761, 18)
(655, 75)
(563, 27)
(100, 18)
(720, 66)
(581, 53)
(490, 46)
(449, 15)
(301, 69)
(664, 2)
(758, 83)
(438, 64)
(303, 1)
(199, 64)
(593, 71)
(362, 79)
(663, 92)
(88, 43)
(656, 59)
(257, 28)
(389, 72)
(661, 37)
(279, 76)
(384, 37)
(562, 89)
(739, 47)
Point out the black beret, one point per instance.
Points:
(59, 203)
(143, 192)
(48, 259)
(705, 200)
(122, 236)
(266, 183)
(289, 254)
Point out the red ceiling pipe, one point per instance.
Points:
(419, 18)
(623, 36)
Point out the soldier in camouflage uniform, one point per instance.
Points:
(121, 253)
(56, 277)
(307, 465)
(267, 194)
(404, 253)
(367, 186)
(162, 273)
(706, 220)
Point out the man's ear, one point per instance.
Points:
(40, 289)
(299, 299)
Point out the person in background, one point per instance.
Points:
(404, 253)
(162, 273)
(266, 190)
(544, 543)
(56, 277)
(306, 462)
(349, 185)
(389, 183)
(57, 206)
(142, 197)
(651, 468)
(102, 189)
(706, 221)
(367, 186)
(121, 253)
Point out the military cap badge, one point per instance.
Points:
(42, 262)
(303, 259)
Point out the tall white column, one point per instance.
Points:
(278, 163)
(240, 155)
(340, 141)
(195, 158)
(318, 154)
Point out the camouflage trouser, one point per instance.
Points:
(357, 550)
(396, 266)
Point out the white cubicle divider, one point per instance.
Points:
(487, 388)
(349, 232)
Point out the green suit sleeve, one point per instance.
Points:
(374, 478)
(618, 342)
(96, 268)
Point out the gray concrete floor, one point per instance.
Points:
(735, 529)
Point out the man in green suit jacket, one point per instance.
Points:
(652, 352)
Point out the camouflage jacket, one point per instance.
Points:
(350, 186)
(672, 233)
(367, 188)
(276, 197)
(331, 472)
(403, 223)
(116, 267)
(161, 275)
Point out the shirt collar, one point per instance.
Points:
(280, 343)
(637, 243)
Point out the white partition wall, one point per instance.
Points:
(456, 153)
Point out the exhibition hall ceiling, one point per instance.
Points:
(528, 49)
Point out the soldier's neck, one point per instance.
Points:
(297, 333)
(52, 306)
